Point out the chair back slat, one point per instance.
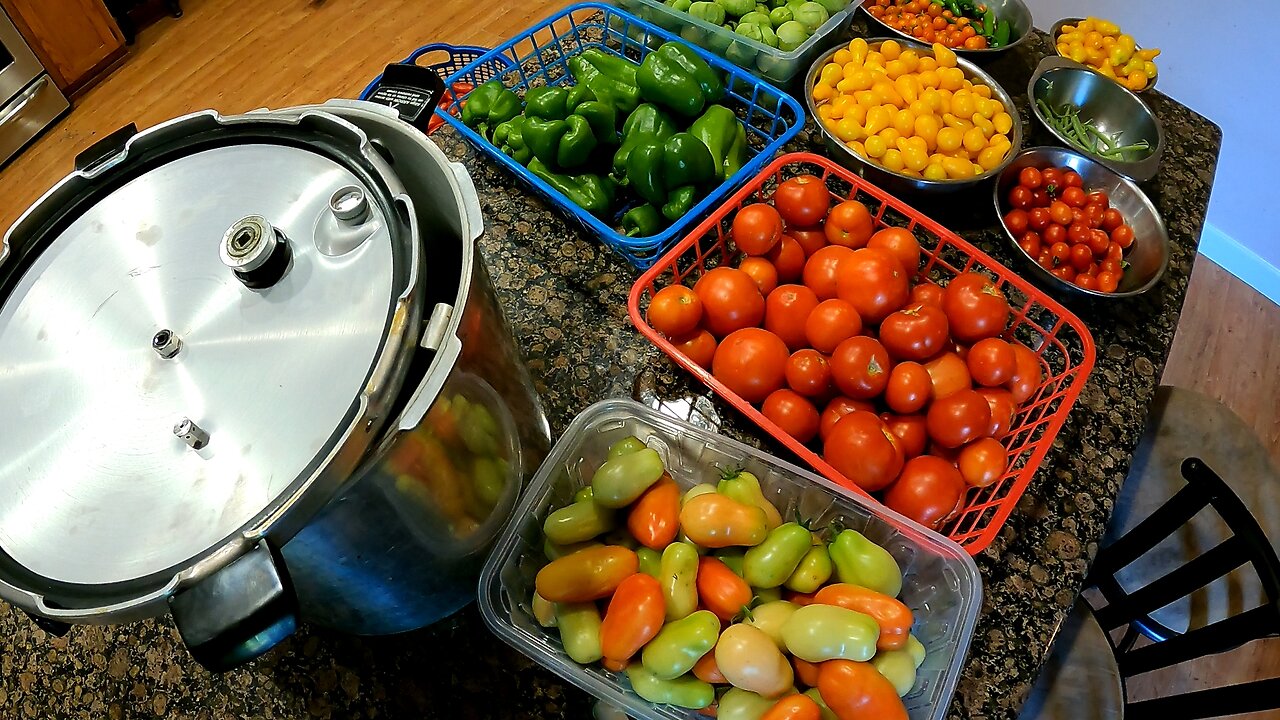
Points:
(1124, 608)
(1256, 696)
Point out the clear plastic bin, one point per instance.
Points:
(757, 58)
(941, 583)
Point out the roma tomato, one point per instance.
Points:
(770, 617)
(927, 491)
(623, 478)
(901, 244)
(927, 293)
(792, 412)
(788, 257)
(975, 307)
(860, 367)
(813, 570)
(720, 589)
(911, 431)
(873, 281)
(716, 521)
(822, 270)
(811, 239)
(762, 272)
(675, 310)
(757, 228)
(635, 615)
(770, 563)
(749, 660)
(832, 322)
(794, 707)
(821, 632)
(857, 691)
(745, 488)
(949, 374)
(678, 573)
(916, 332)
(752, 363)
(806, 672)
(730, 300)
(862, 562)
(1027, 374)
(654, 519)
(681, 643)
(991, 362)
(1002, 410)
(864, 450)
(958, 418)
(809, 373)
(849, 224)
(787, 310)
(700, 347)
(909, 388)
(579, 626)
(836, 409)
(588, 574)
(707, 671)
(802, 201)
(983, 462)
(890, 614)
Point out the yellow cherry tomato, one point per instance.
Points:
(945, 56)
(858, 113)
(824, 114)
(1077, 53)
(1003, 122)
(1148, 53)
(842, 56)
(920, 107)
(933, 99)
(866, 99)
(1149, 69)
(927, 127)
(934, 172)
(831, 74)
(952, 121)
(985, 125)
(908, 87)
(823, 92)
(875, 146)
(858, 148)
(981, 91)
(928, 78)
(890, 49)
(949, 139)
(962, 103)
(956, 168)
(848, 130)
(926, 64)
(895, 69)
(890, 136)
(974, 140)
(877, 119)
(991, 157)
(893, 160)
(888, 93)
(951, 78)
(904, 122)
(1136, 80)
(840, 105)
(858, 50)
(911, 59)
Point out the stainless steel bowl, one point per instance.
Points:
(1057, 30)
(1015, 11)
(1112, 108)
(1149, 254)
(897, 182)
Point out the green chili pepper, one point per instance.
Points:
(739, 704)
(898, 668)
(678, 576)
(606, 76)
(588, 191)
(626, 446)
(620, 480)
(687, 691)
(1003, 31)
(679, 202)
(648, 123)
(816, 697)
(643, 221)
(725, 136)
(708, 12)
(732, 557)
(677, 77)
(813, 571)
(680, 644)
(745, 488)
(650, 562)
(861, 562)
(579, 625)
(770, 563)
(770, 617)
(818, 633)
(577, 523)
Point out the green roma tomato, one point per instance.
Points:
(650, 561)
(688, 692)
(892, 617)
(814, 570)
(739, 704)
(796, 706)
(695, 491)
(489, 479)
(579, 625)
(626, 446)
(731, 557)
(818, 633)
(862, 562)
(584, 494)
(827, 713)
(620, 480)
(898, 668)
(588, 574)
(654, 519)
(749, 660)
(635, 615)
(577, 523)
(620, 537)
(680, 644)
(770, 563)
(766, 595)
(553, 551)
(716, 521)
(679, 576)
(745, 488)
(544, 611)
(770, 617)
(915, 649)
(857, 691)
(720, 590)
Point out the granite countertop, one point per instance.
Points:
(565, 296)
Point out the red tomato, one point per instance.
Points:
(752, 363)
(811, 239)
(792, 412)
(991, 362)
(1027, 374)
(911, 431)
(1060, 212)
(809, 373)
(1108, 282)
(802, 201)
(838, 408)
(762, 272)
(1020, 198)
(1081, 257)
(1073, 197)
(927, 293)
(927, 491)
(757, 228)
(1072, 179)
(822, 270)
(730, 300)
(1038, 219)
(909, 388)
(1055, 234)
(1017, 221)
(1112, 219)
(700, 347)
(1029, 178)
(975, 307)
(949, 373)
(1030, 243)
(1078, 233)
(983, 462)
(786, 311)
(831, 323)
(1122, 236)
(873, 282)
(864, 450)
(900, 243)
(860, 367)
(849, 224)
(917, 332)
(788, 257)
(675, 310)
(958, 418)
(857, 691)
(1002, 410)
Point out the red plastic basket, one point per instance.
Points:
(1059, 338)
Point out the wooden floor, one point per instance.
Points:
(236, 55)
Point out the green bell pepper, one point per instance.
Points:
(621, 480)
(739, 704)
(655, 169)
(725, 136)
(626, 446)
(588, 191)
(579, 625)
(862, 562)
(650, 562)
(687, 691)
(647, 123)
(678, 576)
(577, 523)
(770, 563)
(770, 617)
(576, 146)
(509, 137)
(677, 77)
(612, 79)
(554, 103)
(489, 105)
(707, 11)
(813, 571)
(737, 8)
(643, 221)
(602, 118)
(679, 201)
(818, 633)
(680, 644)
(745, 488)
(560, 143)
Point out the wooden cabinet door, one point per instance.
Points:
(74, 39)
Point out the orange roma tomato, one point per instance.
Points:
(715, 521)
(890, 614)
(806, 672)
(589, 574)
(654, 519)
(707, 671)
(720, 590)
(675, 310)
(635, 615)
(857, 691)
(794, 707)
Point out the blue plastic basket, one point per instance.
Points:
(538, 56)
(456, 57)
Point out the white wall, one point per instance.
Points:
(1224, 64)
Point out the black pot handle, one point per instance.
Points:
(239, 612)
(106, 148)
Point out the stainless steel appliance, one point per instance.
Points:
(254, 371)
(29, 101)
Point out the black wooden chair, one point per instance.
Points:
(1066, 689)
(120, 9)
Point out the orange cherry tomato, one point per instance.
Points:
(857, 691)
(589, 574)
(715, 521)
(635, 614)
(893, 617)
(762, 271)
(794, 707)
(720, 590)
(654, 519)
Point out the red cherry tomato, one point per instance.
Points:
(1038, 219)
(1072, 179)
(1081, 257)
(1017, 221)
(1061, 253)
(1073, 196)
(1060, 212)
(1030, 243)
(1122, 236)
(1108, 282)
(1099, 242)
(1078, 233)
(1099, 197)
(1054, 234)
(1112, 219)
(1020, 198)
(1030, 178)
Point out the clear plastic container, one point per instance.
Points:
(760, 59)
(941, 583)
